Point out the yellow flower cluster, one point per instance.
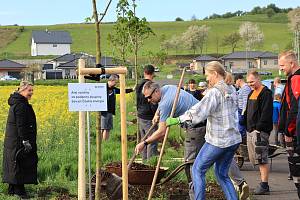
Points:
(50, 104)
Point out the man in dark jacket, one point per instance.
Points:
(20, 150)
(107, 116)
(145, 112)
(288, 63)
(259, 125)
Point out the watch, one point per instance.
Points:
(145, 143)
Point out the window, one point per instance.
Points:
(276, 62)
(54, 45)
(67, 72)
(250, 64)
(230, 65)
(265, 62)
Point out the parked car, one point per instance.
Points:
(242, 72)
(104, 76)
(8, 78)
(265, 73)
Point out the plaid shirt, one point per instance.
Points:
(219, 107)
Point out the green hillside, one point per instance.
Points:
(275, 29)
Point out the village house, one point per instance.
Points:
(50, 43)
(64, 67)
(11, 68)
(244, 60)
(199, 62)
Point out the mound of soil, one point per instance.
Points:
(134, 166)
(170, 191)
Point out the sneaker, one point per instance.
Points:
(290, 177)
(261, 191)
(244, 191)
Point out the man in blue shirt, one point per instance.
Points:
(164, 97)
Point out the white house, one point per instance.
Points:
(11, 68)
(50, 43)
(199, 62)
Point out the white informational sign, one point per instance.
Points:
(87, 96)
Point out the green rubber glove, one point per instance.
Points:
(172, 121)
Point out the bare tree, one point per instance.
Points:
(195, 37)
(31, 72)
(97, 21)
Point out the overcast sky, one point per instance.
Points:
(47, 12)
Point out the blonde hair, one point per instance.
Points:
(24, 85)
(277, 80)
(254, 73)
(289, 55)
(229, 79)
(215, 66)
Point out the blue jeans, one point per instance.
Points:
(242, 128)
(222, 157)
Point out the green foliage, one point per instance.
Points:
(83, 36)
(231, 40)
(178, 19)
(270, 12)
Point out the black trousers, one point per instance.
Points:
(17, 189)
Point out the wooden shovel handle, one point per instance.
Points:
(144, 138)
(166, 136)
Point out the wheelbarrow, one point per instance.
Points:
(111, 181)
(241, 154)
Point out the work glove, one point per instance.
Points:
(27, 146)
(172, 121)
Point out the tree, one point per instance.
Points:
(97, 22)
(194, 18)
(270, 12)
(294, 17)
(231, 40)
(129, 32)
(251, 34)
(30, 72)
(139, 30)
(119, 38)
(274, 8)
(175, 42)
(178, 19)
(195, 37)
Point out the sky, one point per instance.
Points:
(48, 12)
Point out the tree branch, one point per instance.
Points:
(103, 14)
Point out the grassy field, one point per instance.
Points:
(275, 29)
(58, 141)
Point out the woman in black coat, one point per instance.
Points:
(20, 150)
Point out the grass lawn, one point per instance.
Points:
(275, 30)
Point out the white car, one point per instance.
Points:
(8, 78)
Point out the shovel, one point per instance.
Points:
(112, 183)
(144, 138)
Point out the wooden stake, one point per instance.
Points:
(115, 70)
(81, 147)
(166, 136)
(123, 137)
(98, 156)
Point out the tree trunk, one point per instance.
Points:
(98, 116)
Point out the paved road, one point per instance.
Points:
(281, 188)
